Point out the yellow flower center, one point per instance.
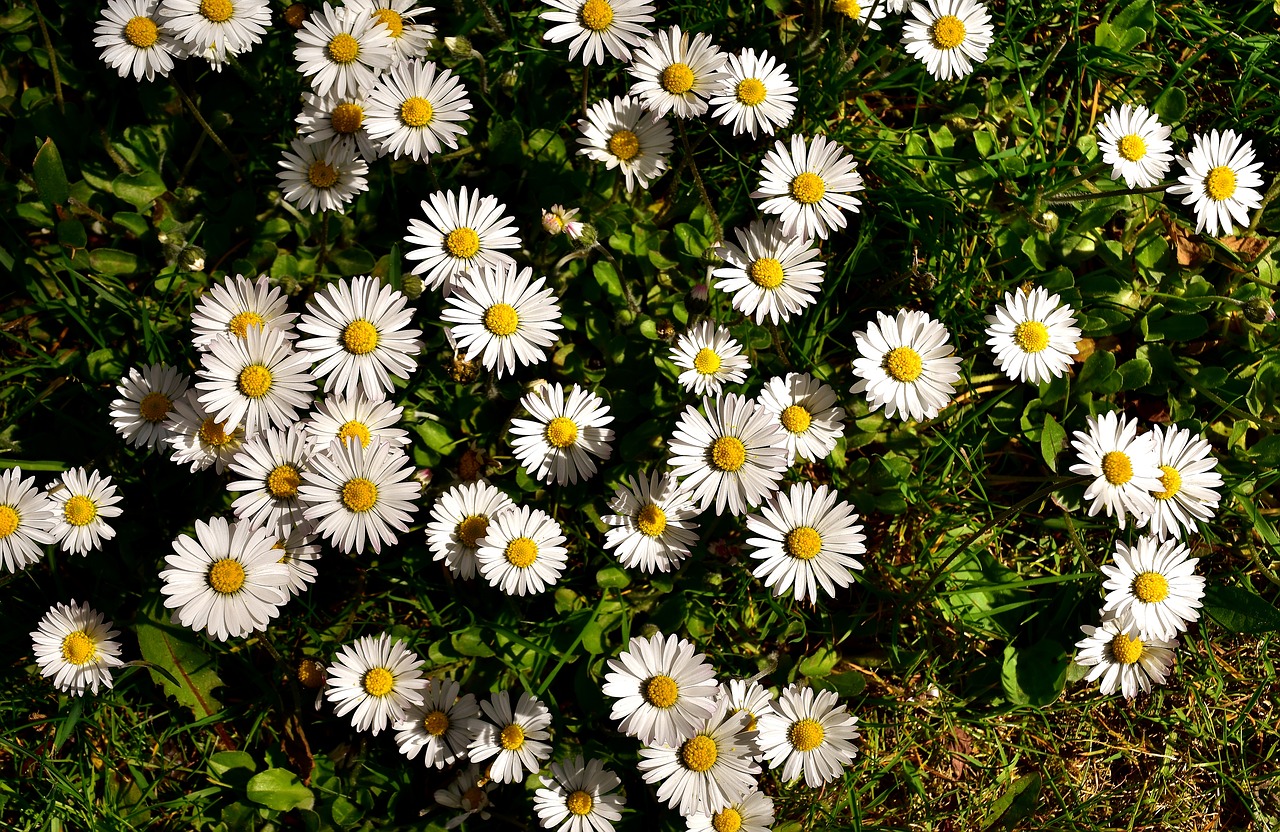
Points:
(796, 419)
(359, 430)
(677, 79)
(254, 381)
(749, 92)
(947, 32)
(214, 433)
(903, 364)
(79, 510)
(8, 521)
(766, 273)
(512, 737)
(462, 242)
(436, 723)
(321, 174)
(728, 453)
(310, 673)
(849, 8)
(295, 15)
(661, 691)
(359, 494)
(154, 406)
(726, 820)
(378, 681)
(596, 15)
(1126, 650)
(78, 648)
(347, 118)
(343, 48)
(624, 144)
(501, 319)
(1220, 184)
(283, 482)
(471, 529)
(416, 112)
(521, 552)
(807, 188)
(141, 32)
(579, 802)
(803, 543)
(392, 20)
(652, 521)
(707, 361)
(699, 753)
(805, 735)
(226, 576)
(1117, 468)
(1170, 481)
(360, 337)
(1131, 147)
(239, 325)
(561, 432)
(1151, 587)
(217, 11)
(1032, 336)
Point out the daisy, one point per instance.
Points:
(216, 29)
(808, 733)
(146, 398)
(948, 36)
(27, 520)
(356, 493)
(336, 417)
(75, 645)
(623, 134)
(338, 119)
(805, 540)
(809, 186)
(235, 304)
(734, 456)
(378, 679)
(747, 696)
(469, 791)
(1122, 659)
(560, 219)
(299, 552)
(654, 526)
(1122, 465)
(557, 444)
(512, 737)
(1188, 483)
(868, 10)
(1136, 145)
(755, 93)
(322, 175)
(459, 519)
(198, 438)
(416, 109)
(343, 49)
(441, 726)
(753, 813)
(676, 76)
(906, 365)
(409, 39)
(133, 39)
(597, 25)
(773, 274)
(1033, 335)
(503, 316)
(81, 501)
(807, 411)
(271, 466)
(579, 796)
(663, 689)
(708, 771)
(360, 337)
(522, 551)
(1220, 180)
(711, 357)
(258, 381)
(227, 581)
(464, 232)
(1155, 584)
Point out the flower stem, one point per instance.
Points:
(1061, 199)
(702, 188)
(204, 125)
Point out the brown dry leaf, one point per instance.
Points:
(1084, 349)
(958, 743)
(1247, 247)
(1189, 252)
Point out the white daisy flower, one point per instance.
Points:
(356, 494)
(1123, 467)
(198, 438)
(1154, 583)
(360, 337)
(809, 186)
(773, 275)
(664, 690)
(512, 738)
(27, 520)
(257, 381)
(809, 733)
(376, 678)
(522, 551)
(270, 466)
(216, 29)
(857, 11)
(1122, 659)
(579, 796)
(409, 39)
(948, 36)
(557, 444)
(227, 581)
(806, 540)
(1033, 335)
(623, 134)
(76, 645)
(654, 526)
(560, 219)
(708, 771)
(146, 398)
(416, 110)
(299, 552)
(503, 317)
(1188, 483)
(441, 726)
(906, 365)
(807, 411)
(1220, 181)
(747, 696)
(598, 25)
(711, 357)
(675, 76)
(336, 417)
(322, 175)
(464, 233)
(756, 94)
(459, 520)
(469, 791)
(733, 456)
(81, 501)
(753, 813)
(342, 49)
(234, 304)
(133, 39)
(338, 119)
(1136, 145)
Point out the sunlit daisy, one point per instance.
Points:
(654, 526)
(558, 443)
(1220, 181)
(809, 733)
(459, 519)
(441, 726)
(417, 109)
(1136, 145)
(1154, 583)
(234, 304)
(806, 408)
(337, 417)
(948, 36)
(323, 175)
(1122, 659)
(579, 796)
(598, 25)
(748, 697)
(270, 467)
(298, 552)
(707, 771)
(216, 29)
(146, 398)
(753, 813)
(906, 365)
(341, 49)
(1188, 483)
(76, 645)
(255, 381)
(865, 11)
(755, 94)
(1122, 465)
(773, 275)
(376, 678)
(710, 358)
(469, 791)
(464, 232)
(512, 738)
(674, 75)
(522, 551)
(623, 134)
(734, 456)
(81, 502)
(1033, 335)
(338, 118)
(503, 317)
(409, 38)
(198, 438)
(27, 519)
(809, 186)
(356, 494)
(134, 40)
(806, 540)
(664, 690)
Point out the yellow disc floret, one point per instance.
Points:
(579, 802)
(1126, 650)
(561, 432)
(226, 576)
(624, 144)
(462, 242)
(1170, 481)
(849, 8)
(9, 521)
(803, 543)
(378, 681)
(766, 273)
(1117, 467)
(511, 737)
(141, 32)
(79, 511)
(354, 429)
(595, 15)
(392, 20)
(1151, 587)
(707, 361)
(750, 91)
(1220, 184)
(1031, 336)
(436, 723)
(1131, 147)
(805, 734)
(677, 79)
(310, 673)
(254, 381)
(660, 691)
(501, 319)
(321, 174)
(78, 648)
(807, 188)
(416, 112)
(239, 325)
(343, 48)
(727, 820)
(698, 753)
(360, 337)
(214, 433)
(651, 521)
(521, 552)
(283, 482)
(947, 32)
(217, 11)
(471, 529)
(796, 419)
(728, 453)
(359, 494)
(346, 118)
(154, 406)
(903, 364)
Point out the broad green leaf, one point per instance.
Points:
(1051, 438)
(611, 577)
(1034, 675)
(352, 261)
(471, 642)
(104, 365)
(279, 789)
(224, 761)
(178, 651)
(435, 435)
(608, 279)
(344, 812)
(1239, 610)
(1138, 13)
(844, 684)
(51, 178)
(141, 189)
(1174, 328)
(1096, 370)
(1171, 105)
(1018, 801)
(71, 233)
(112, 261)
(135, 222)
(819, 664)
(1135, 373)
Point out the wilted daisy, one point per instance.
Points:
(809, 186)
(464, 232)
(341, 49)
(753, 813)
(579, 796)
(409, 38)
(809, 733)
(772, 275)
(298, 551)
(1136, 145)
(81, 501)
(255, 381)
(416, 110)
(227, 581)
(1033, 335)
(558, 443)
(75, 645)
(906, 365)
(1188, 483)
(270, 466)
(654, 526)
(664, 690)
(133, 40)
(1122, 659)
(441, 726)
(806, 408)
(360, 337)
(598, 25)
(806, 540)
(469, 791)
(755, 94)
(623, 134)
(867, 11)
(733, 456)
(337, 118)
(1122, 465)
(354, 494)
(337, 417)
(1220, 181)
(234, 304)
(522, 551)
(710, 358)
(198, 438)
(216, 29)
(376, 678)
(948, 36)
(1154, 583)
(26, 520)
(707, 771)
(146, 398)
(323, 175)
(459, 519)
(503, 317)
(674, 75)
(512, 738)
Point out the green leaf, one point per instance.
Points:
(352, 261)
(471, 642)
(608, 279)
(819, 664)
(544, 146)
(1239, 610)
(1096, 370)
(224, 761)
(611, 577)
(139, 188)
(844, 684)
(1018, 801)
(1171, 105)
(133, 221)
(435, 435)
(344, 812)
(112, 261)
(192, 673)
(51, 178)
(1051, 438)
(104, 365)
(279, 789)
(1037, 250)
(1135, 373)
(1034, 675)
(1266, 452)
(1138, 13)
(71, 233)
(1175, 328)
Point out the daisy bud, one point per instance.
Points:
(462, 371)
(423, 477)
(460, 48)
(587, 236)
(1049, 222)
(551, 223)
(698, 300)
(192, 259)
(1259, 311)
(411, 285)
(310, 673)
(295, 15)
